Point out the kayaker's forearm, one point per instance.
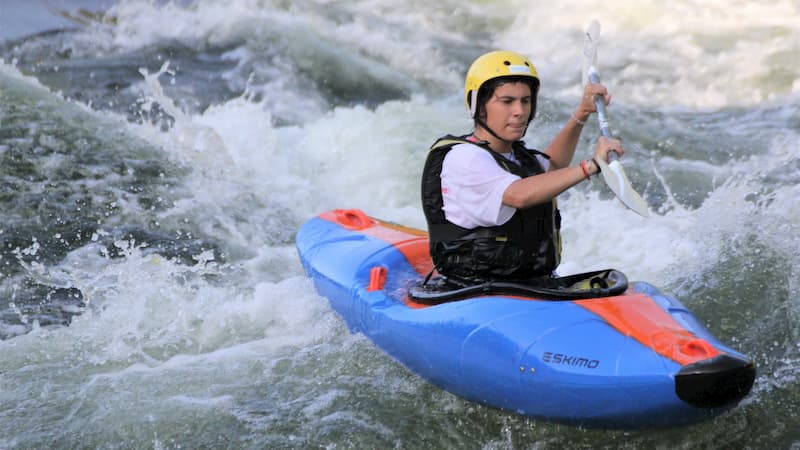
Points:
(530, 191)
(562, 149)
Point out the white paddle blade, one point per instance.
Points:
(616, 180)
(590, 42)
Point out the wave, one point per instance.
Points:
(199, 137)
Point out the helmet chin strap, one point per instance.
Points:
(486, 127)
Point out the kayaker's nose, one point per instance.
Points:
(715, 382)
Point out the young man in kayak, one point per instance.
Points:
(490, 202)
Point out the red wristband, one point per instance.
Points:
(583, 168)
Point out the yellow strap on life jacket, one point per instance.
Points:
(445, 142)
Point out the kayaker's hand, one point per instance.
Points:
(587, 106)
(606, 145)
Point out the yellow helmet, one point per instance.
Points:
(493, 65)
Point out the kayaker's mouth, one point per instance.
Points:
(715, 382)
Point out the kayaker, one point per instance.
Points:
(490, 202)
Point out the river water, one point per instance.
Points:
(157, 158)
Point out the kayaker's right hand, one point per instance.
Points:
(606, 145)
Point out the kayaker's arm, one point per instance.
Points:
(538, 189)
(562, 149)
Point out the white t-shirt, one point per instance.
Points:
(473, 185)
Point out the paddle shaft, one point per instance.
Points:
(602, 116)
(612, 172)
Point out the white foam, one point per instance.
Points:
(691, 53)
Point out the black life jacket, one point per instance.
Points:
(528, 245)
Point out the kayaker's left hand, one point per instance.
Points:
(587, 106)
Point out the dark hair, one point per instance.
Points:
(487, 90)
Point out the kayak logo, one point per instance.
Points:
(569, 360)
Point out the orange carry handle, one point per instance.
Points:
(377, 278)
(353, 219)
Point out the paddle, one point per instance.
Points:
(613, 173)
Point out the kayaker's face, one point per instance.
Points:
(508, 110)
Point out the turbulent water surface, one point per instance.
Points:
(156, 160)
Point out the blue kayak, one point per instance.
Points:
(631, 359)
